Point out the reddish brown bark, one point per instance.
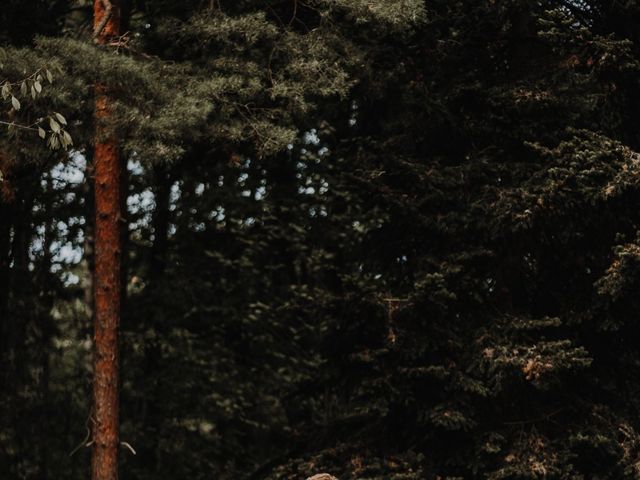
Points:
(107, 165)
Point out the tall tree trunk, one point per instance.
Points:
(104, 464)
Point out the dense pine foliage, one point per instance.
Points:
(393, 239)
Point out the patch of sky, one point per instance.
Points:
(174, 195)
(306, 190)
(311, 137)
(218, 214)
(320, 211)
(134, 166)
(62, 175)
(66, 253)
(71, 171)
(198, 227)
(141, 205)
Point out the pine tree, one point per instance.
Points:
(474, 347)
(374, 239)
(108, 252)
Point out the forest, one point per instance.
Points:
(320, 239)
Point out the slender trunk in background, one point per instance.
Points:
(162, 193)
(104, 463)
(124, 234)
(88, 246)
(47, 327)
(151, 414)
(21, 284)
(6, 215)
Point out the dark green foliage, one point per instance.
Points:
(507, 182)
(386, 240)
(20, 20)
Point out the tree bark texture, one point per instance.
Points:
(104, 463)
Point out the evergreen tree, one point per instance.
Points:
(386, 240)
(498, 144)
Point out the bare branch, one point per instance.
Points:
(127, 445)
(16, 125)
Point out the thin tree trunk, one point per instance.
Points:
(104, 464)
(151, 412)
(124, 234)
(22, 317)
(88, 284)
(6, 223)
(21, 283)
(47, 327)
(162, 193)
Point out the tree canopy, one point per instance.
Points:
(384, 240)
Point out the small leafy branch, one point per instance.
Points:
(51, 127)
(58, 136)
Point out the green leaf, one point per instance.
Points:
(55, 126)
(41, 132)
(38, 86)
(15, 102)
(54, 143)
(61, 119)
(49, 76)
(67, 138)
(23, 88)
